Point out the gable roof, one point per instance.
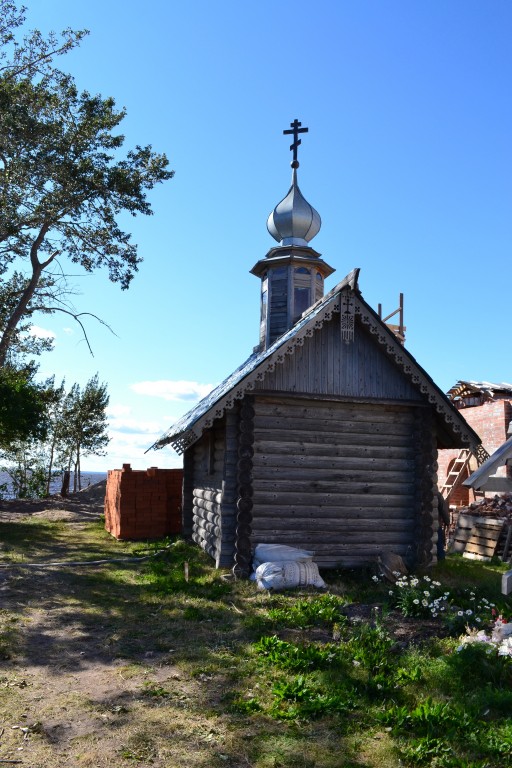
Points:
(191, 426)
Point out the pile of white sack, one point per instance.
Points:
(277, 566)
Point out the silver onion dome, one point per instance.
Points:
(294, 221)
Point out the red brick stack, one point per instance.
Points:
(143, 504)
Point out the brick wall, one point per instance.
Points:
(490, 421)
(143, 504)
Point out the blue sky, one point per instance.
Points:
(407, 160)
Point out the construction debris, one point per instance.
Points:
(483, 529)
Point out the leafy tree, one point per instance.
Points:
(22, 407)
(26, 469)
(63, 179)
(83, 425)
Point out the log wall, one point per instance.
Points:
(205, 461)
(347, 480)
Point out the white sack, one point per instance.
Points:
(288, 574)
(272, 553)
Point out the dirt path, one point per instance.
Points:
(83, 676)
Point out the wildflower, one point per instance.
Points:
(460, 613)
(477, 618)
(375, 578)
(436, 583)
(434, 613)
(469, 612)
(356, 663)
(424, 603)
(426, 578)
(426, 593)
(390, 591)
(416, 601)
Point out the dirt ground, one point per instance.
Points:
(67, 692)
(92, 686)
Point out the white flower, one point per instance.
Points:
(424, 603)
(477, 618)
(436, 583)
(375, 578)
(434, 613)
(356, 663)
(460, 613)
(390, 591)
(426, 593)
(426, 578)
(416, 601)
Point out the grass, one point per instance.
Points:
(144, 666)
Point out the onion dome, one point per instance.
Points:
(294, 221)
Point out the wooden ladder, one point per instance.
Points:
(458, 467)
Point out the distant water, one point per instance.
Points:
(88, 478)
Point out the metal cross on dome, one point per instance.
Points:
(295, 130)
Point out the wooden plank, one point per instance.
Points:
(277, 463)
(483, 540)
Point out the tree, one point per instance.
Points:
(22, 407)
(83, 425)
(63, 180)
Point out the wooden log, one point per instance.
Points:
(209, 494)
(307, 474)
(209, 506)
(339, 487)
(334, 525)
(207, 531)
(372, 511)
(268, 406)
(268, 424)
(347, 499)
(299, 460)
(281, 437)
(211, 517)
(266, 450)
(321, 540)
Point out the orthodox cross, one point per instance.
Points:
(295, 130)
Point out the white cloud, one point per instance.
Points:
(179, 391)
(41, 333)
(118, 410)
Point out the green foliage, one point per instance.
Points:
(22, 407)
(298, 699)
(297, 657)
(308, 612)
(63, 180)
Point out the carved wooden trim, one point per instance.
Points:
(294, 338)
